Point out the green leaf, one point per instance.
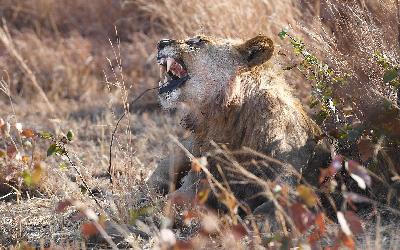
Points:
(343, 135)
(330, 71)
(322, 115)
(390, 75)
(134, 214)
(52, 149)
(70, 135)
(355, 133)
(46, 135)
(55, 149)
(27, 178)
(63, 166)
(83, 189)
(313, 102)
(282, 34)
(395, 83)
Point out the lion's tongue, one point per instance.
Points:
(173, 75)
(175, 67)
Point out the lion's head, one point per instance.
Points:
(200, 71)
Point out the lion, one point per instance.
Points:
(231, 92)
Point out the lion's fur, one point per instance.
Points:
(237, 96)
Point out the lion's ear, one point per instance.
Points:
(257, 50)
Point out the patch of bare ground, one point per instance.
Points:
(35, 221)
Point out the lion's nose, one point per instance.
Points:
(164, 42)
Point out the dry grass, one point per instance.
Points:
(57, 54)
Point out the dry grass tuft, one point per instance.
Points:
(55, 55)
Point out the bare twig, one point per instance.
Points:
(115, 130)
(91, 215)
(246, 174)
(16, 192)
(105, 235)
(111, 144)
(264, 184)
(82, 178)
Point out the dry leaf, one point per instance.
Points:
(63, 205)
(343, 223)
(239, 231)
(88, 229)
(167, 237)
(209, 224)
(229, 200)
(348, 241)
(198, 163)
(328, 173)
(196, 167)
(319, 228)
(366, 149)
(358, 173)
(354, 197)
(354, 222)
(183, 245)
(307, 195)
(28, 133)
(189, 216)
(11, 151)
(36, 174)
(18, 126)
(2, 123)
(25, 159)
(302, 218)
(202, 196)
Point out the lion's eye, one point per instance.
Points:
(197, 41)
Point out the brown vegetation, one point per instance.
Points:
(90, 58)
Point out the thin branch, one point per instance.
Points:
(245, 173)
(82, 178)
(115, 130)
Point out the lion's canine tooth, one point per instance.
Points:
(170, 61)
(162, 61)
(162, 71)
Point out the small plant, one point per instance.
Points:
(344, 125)
(391, 74)
(391, 70)
(323, 77)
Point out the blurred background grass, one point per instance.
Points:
(89, 57)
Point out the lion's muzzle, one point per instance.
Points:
(173, 73)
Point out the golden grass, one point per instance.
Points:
(55, 55)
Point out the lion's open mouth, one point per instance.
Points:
(172, 74)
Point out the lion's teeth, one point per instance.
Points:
(164, 82)
(162, 71)
(162, 61)
(170, 61)
(173, 70)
